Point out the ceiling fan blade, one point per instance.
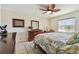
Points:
(43, 9)
(56, 10)
(44, 12)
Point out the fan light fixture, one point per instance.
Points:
(48, 12)
(49, 9)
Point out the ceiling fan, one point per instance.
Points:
(50, 8)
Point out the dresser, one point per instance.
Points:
(33, 33)
(7, 43)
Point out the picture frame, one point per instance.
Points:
(34, 24)
(18, 22)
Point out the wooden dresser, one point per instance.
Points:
(7, 44)
(33, 33)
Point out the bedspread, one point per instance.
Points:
(54, 42)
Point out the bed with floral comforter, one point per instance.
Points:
(56, 42)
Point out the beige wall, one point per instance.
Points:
(0, 14)
(22, 33)
(54, 24)
(7, 16)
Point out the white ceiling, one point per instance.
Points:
(33, 9)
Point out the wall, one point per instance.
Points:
(22, 33)
(54, 24)
(7, 16)
(0, 14)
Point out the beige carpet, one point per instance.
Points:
(30, 48)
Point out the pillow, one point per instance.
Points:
(71, 49)
(74, 39)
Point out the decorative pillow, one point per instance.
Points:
(74, 39)
(71, 50)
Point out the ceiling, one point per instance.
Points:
(33, 9)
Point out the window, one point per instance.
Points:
(66, 25)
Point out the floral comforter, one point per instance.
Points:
(54, 43)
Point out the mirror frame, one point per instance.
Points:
(32, 23)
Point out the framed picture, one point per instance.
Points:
(18, 22)
(34, 24)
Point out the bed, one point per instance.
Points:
(55, 42)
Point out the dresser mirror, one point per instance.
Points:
(34, 24)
